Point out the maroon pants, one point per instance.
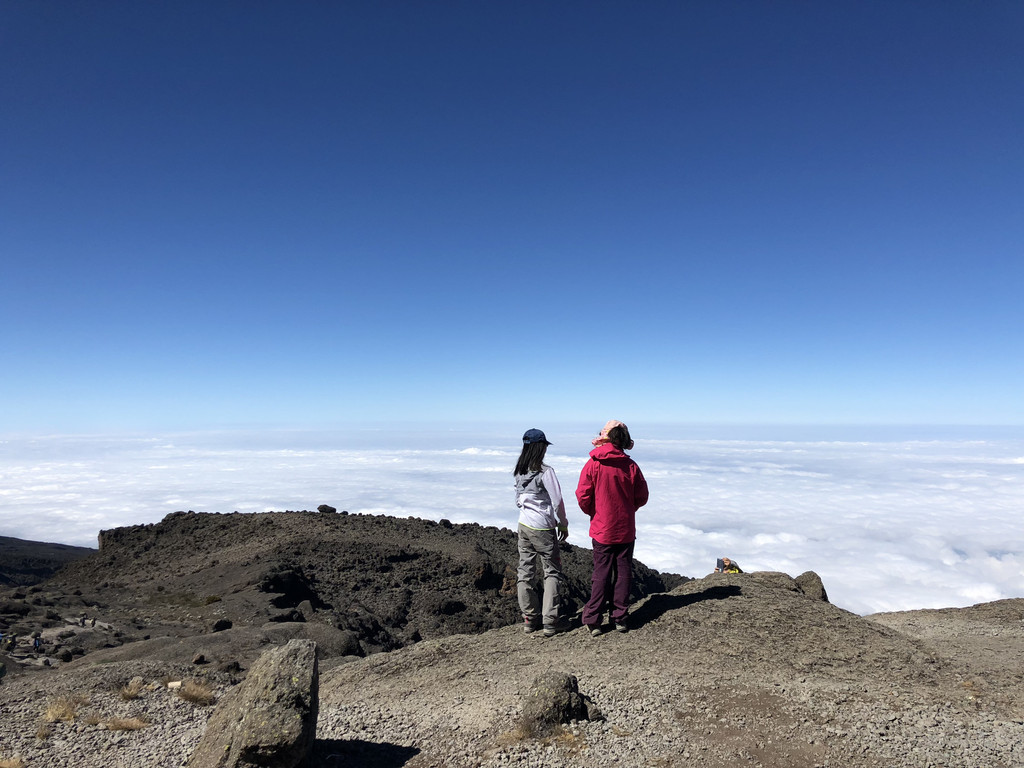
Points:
(611, 582)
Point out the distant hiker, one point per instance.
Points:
(611, 489)
(725, 565)
(542, 527)
(93, 622)
(37, 643)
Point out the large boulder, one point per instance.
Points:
(810, 584)
(269, 721)
(554, 699)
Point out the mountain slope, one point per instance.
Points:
(23, 563)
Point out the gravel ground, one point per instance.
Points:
(728, 670)
(92, 738)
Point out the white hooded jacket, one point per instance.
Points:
(539, 498)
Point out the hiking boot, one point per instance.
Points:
(621, 628)
(529, 627)
(596, 631)
(560, 626)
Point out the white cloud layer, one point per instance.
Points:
(889, 524)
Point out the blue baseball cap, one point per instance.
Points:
(535, 436)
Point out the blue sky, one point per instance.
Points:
(219, 214)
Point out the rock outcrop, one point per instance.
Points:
(269, 721)
(810, 584)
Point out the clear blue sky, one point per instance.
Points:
(221, 213)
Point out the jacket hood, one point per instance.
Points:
(608, 454)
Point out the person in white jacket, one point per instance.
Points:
(542, 527)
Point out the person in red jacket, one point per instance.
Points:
(611, 489)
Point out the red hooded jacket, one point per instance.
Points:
(611, 489)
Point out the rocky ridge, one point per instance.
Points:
(362, 583)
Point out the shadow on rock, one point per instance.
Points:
(658, 605)
(353, 753)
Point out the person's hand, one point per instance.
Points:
(563, 533)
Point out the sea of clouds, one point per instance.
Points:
(891, 519)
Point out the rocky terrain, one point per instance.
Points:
(370, 583)
(731, 669)
(755, 669)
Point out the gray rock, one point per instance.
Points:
(773, 579)
(810, 584)
(269, 721)
(555, 698)
(331, 642)
(286, 616)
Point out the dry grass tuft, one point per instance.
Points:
(64, 709)
(197, 692)
(12, 762)
(43, 731)
(133, 690)
(125, 723)
(531, 730)
(570, 741)
(566, 740)
(531, 727)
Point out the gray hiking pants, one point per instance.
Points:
(538, 552)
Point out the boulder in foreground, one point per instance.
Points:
(269, 721)
(555, 699)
